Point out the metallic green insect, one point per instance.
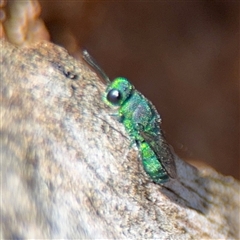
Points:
(142, 122)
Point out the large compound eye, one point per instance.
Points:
(114, 96)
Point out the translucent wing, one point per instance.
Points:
(161, 148)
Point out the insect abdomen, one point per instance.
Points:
(151, 164)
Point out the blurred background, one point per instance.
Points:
(182, 55)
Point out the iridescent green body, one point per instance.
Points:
(151, 163)
(142, 122)
(135, 112)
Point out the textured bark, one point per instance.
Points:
(67, 170)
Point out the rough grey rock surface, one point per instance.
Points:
(67, 170)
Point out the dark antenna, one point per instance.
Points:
(89, 59)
